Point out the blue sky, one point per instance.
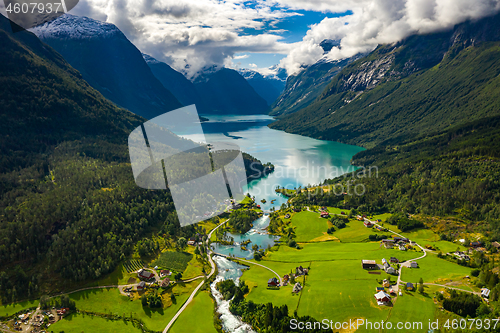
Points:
(292, 29)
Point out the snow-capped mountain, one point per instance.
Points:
(109, 62)
(304, 87)
(269, 85)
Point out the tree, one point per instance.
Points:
(173, 299)
(181, 243)
(197, 251)
(421, 286)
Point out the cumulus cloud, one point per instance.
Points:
(375, 22)
(192, 34)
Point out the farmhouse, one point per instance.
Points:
(359, 217)
(297, 288)
(296, 210)
(409, 286)
(273, 282)
(402, 247)
(413, 264)
(380, 289)
(384, 262)
(287, 216)
(390, 270)
(379, 228)
(388, 243)
(475, 244)
(286, 277)
(165, 283)
(394, 260)
(368, 224)
(496, 245)
(325, 214)
(165, 272)
(485, 292)
(386, 283)
(144, 274)
(382, 298)
(369, 264)
(301, 271)
(141, 285)
(191, 242)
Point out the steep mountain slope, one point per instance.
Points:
(175, 82)
(225, 91)
(423, 84)
(303, 88)
(69, 207)
(268, 87)
(109, 62)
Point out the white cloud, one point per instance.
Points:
(253, 65)
(377, 22)
(191, 34)
(244, 56)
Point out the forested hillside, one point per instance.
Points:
(451, 173)
(423, 84)
(69, 207)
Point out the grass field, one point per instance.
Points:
(355, 232)
(111, 301)
(10, 309)
(338, 251)
(256, 278)
(194, 268)
(308, 226)
(427, 236)
(412, 307)
(432, 268)
(339, 291)
(334, 210)
(78, 323)
(198, 316)
(173, 260)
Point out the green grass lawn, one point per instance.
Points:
(308, 226)
(78, 323)
(198, 316)
(10, 309)
(256, 278)
(334, 210)
(428, 237)
(339, 291)
(326, 251)
(173, 260)
(111, 301)
(355, 232)
(412, 307)
(432, 269)
(194, 268)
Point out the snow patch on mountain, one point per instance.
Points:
(76, 27)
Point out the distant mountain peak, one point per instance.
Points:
(149, 59)
(76, 27)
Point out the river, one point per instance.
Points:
(298, 161)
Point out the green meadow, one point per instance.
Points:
(78, 323)
(433, 269)
(256, 278)
(327, 251)
(10, 309)
(308, 226)
(111, 301)
(197, 317)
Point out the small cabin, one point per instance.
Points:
(369, 264)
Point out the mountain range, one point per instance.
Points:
(423, 84)
(111, 64)
(268, 86)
